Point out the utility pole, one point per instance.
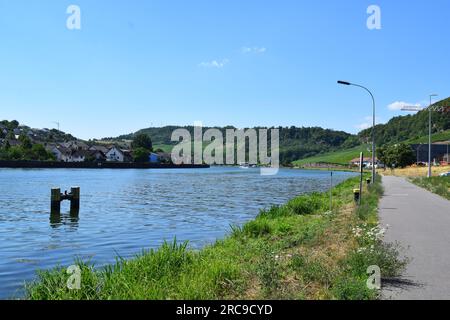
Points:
(418, 108)
(447, 152)
(418, 149)
(430, 173)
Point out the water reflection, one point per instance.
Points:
(70, 220)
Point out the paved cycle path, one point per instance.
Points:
(420, 221)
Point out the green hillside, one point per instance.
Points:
(437, 137)
(410, 127)
(295, 143)
(342, 157)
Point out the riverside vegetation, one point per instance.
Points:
(296, 251)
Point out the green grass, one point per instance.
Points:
(438, 185)
(437, 137)
(295, 251)
(338, 157)
(165, 147)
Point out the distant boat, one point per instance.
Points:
(247, 166)
(244, 165)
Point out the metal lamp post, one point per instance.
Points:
(430, 174)
(346, 83)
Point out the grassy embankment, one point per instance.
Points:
(342, 157)
(438, 185)
(296, 251)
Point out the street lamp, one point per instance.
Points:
(430, 174)
(346, 83)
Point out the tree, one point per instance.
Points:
(13, 124)
(10, 135)
(15, 153)
(142, 141)
(141, 155)
(397, 155)
(38, 152)
(3, 154)
(25, 142)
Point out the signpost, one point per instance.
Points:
(361, 168)
(331, 192)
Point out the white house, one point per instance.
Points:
(62, 154)
(115, 155)
(79, 156)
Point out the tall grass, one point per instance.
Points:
(415, 171)
(438, 185)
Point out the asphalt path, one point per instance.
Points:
(420, 222)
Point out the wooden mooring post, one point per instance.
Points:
(57, 197)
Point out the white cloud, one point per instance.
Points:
(368, 122)
(256, 50)
(214, 64)
(399, 105)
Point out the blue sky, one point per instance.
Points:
(137, 63)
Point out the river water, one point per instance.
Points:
(125, 211)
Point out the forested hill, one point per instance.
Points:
(409, 127)
(295, 143)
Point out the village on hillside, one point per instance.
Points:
(18, 141)
(79, 151)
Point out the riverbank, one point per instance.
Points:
(94, 165)
(296, 251)
(330, 169)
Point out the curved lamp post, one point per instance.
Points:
(346, 83)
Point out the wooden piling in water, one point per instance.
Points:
(55, 204)
(75, 200)
(73, 197)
